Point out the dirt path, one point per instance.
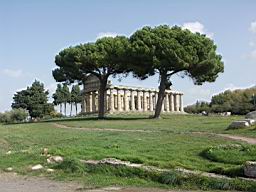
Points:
(11, 182)
(101, 129)
(248, 140)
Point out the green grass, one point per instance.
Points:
(231, 154)
(170, 144)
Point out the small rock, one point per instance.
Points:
(250, 121)
(37, 167)
(8, 152)
(45, 151)
(238, 125)
(250, 169)
(55, 159)
(251, 115)
(50, 170)
(9, 169)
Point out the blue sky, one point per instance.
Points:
(33, 32)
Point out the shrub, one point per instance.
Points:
(14, 116)
(231, 154)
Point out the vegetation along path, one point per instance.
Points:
(101, 129)
(248, 140)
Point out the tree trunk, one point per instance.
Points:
(76, 108)
(102, 94)
(61, 108)
(71, 109)
(161, 94)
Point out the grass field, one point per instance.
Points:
(165, 143)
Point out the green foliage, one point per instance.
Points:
(14, 116)
(199, 107)
(76, 96)
(58, 96)
(34, 99)
(238, 102)
(70, 166)
(106, 57)
(171, 50)
(230, 153)
(171, 143)
(236, 171)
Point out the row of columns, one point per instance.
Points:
(118, 100)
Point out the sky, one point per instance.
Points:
(33, 32)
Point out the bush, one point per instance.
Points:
(230, 154)
(14, 116)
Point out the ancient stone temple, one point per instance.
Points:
(128, 99)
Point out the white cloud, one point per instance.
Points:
(106, 34)
(13, 73)
(197, 27)
(252, 55)
(233, 87)
(253, 27)
(51, 88)
(252, 43)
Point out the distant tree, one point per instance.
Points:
(198, 107)
(66, 97)
(34, 99)
(58, 97)
(76, 96)
(14, 116)
(238, 101)
(171, 50)
(104, 58)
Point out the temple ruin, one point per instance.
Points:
(128, 98)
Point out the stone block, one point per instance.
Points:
(250, 121)
(250, 169)
(251, 115)
(238, 124)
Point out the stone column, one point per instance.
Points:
(132, 101)
(163, 104)
(172, 102)
(151, 104)
(181, 103)
(167, 104)
(126, 101)
(93, 101)
(97, 101)
(115, 101)
(83, 104)
(145, 107)
(90, 103)
(139, 100)
(119, 102)
(177, 102)
(111, 101)
(106, 101)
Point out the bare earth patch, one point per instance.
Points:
(10, 182)
(248, 140)
(57, 125)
